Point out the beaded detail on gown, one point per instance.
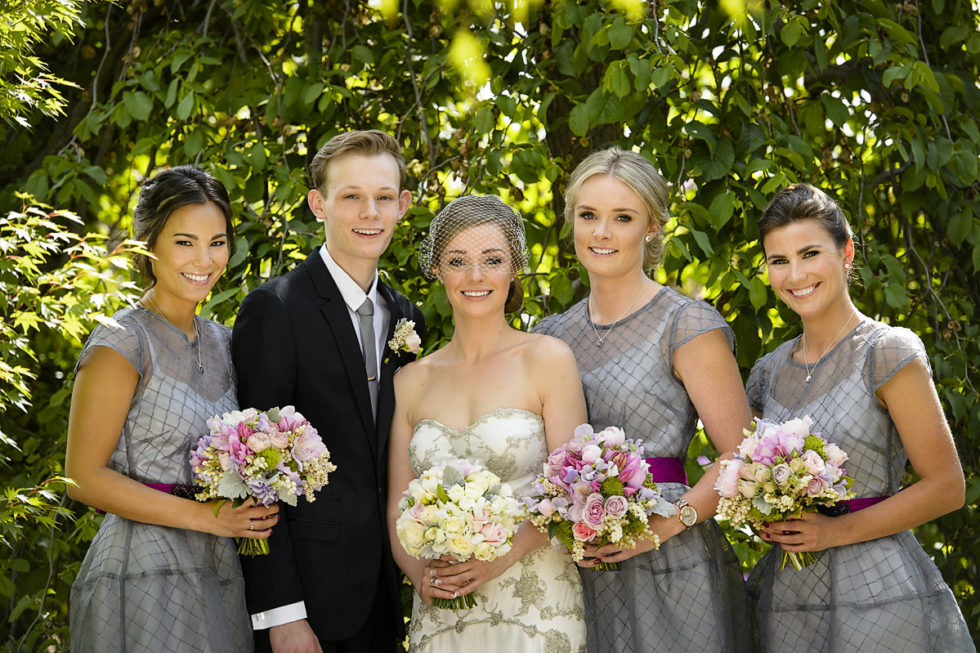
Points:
(536, 605)
(881, 595)
(143, 587)
(689, 594)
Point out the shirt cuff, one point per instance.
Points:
(279, 616)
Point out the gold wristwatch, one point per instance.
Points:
(687, 513)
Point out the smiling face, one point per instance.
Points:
(191, 253)
(806, 268)
(359, 207)
(610, 224)
(476, 269)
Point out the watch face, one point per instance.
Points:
(689, 516)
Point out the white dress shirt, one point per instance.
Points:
(353, 296)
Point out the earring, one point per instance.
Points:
(648, 238)
(847, 266)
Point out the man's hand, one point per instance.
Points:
(294, 637)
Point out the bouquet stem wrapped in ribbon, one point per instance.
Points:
(457, 509)
(780, 471)
(596, 489)
(276, 455)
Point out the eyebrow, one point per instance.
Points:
(194, 236)
(357, 187)
(805, 248)
(486, 251)
(616, 209)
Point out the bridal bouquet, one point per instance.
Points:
(457, 509)
(779, 472)
(271, 456)
(596, 489)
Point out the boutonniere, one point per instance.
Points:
(405, 339)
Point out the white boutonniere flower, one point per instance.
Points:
(405, 339)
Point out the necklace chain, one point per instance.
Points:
(806, 365)
(600, 339)
(197, 331)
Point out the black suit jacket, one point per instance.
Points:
(294, 343)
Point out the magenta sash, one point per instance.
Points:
(166, 488)
(667, 470)
(860, 504)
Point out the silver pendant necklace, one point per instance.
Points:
(806, 365)
(197, 331)
(600, 339)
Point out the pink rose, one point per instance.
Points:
(258, 442)
(279, 439)
(591, 453)
(546, 508)
(813, 462)
(594, 514)
(816, 486)
(612, 436)
(727, 483)
(581, 532)
(616, 506)
(494, 534)
(308, 446)
(766, 450)
(416, 511)
(835, 454)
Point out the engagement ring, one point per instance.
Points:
(251, 525)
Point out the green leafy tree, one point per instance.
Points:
(875, 102)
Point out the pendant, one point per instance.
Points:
(200, 368)
(808, 376)
(599, 342)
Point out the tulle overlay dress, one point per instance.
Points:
(151, 588)
(881, 595)
(536, 605)
(689, 594)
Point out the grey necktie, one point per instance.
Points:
(369, 346)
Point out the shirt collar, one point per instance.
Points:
(349, 289)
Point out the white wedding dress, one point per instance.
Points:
(536, 605)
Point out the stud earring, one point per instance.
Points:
(648, 238)
(847, 266)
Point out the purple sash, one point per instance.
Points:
(860, 504)
(166, 488)
(667, 470)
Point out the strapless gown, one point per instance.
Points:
(536, 605)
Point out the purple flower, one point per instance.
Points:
(616, 506)
(781, 473)
(634, 471)
(594, 513)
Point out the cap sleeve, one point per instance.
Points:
(755, 387)
(549, 326)
(123, 335)
(895, 348)
(694, 319)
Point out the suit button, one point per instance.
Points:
(380, 491)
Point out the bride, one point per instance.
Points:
(502, 398)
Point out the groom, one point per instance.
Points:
(316, 338)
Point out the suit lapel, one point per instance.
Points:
(390, 363)
(337, 317)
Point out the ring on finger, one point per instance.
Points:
(432, 580)
(251, 525)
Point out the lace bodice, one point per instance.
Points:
(509, 442)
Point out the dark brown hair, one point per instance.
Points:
(164, 193)
(805, 202)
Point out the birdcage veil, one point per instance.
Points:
(476, 247)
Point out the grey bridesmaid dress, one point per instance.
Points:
(143, 587)
(880, 595)
(688, 595)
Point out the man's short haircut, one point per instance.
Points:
(369, 142)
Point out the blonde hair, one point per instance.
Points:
(370, 142)
(643, 179)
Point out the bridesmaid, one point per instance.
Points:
(868, 388)
(161, 573)
(653, 362)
